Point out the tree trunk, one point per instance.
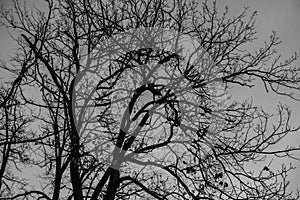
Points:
(113, 184)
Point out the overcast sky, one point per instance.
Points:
(283, 16)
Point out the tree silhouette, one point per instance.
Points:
(130, 100)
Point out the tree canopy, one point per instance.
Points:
(130, 99)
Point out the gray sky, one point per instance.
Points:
(283, 16)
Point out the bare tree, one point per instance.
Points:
(130, 100)
(14, 141)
